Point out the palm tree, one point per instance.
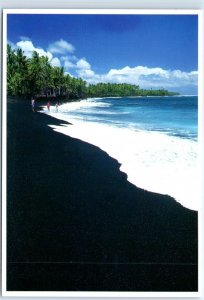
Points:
(46, 74)
(58, 80)
(22, 70)
(35, 75)
(67, 82)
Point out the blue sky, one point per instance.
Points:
(150, 50)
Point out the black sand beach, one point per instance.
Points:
(76, 224)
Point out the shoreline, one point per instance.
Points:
(70, 203)
(115, 141)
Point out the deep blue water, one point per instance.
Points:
(177, 116)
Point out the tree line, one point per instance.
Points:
(123, 90)
(36, 77)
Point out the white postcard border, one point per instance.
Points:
(115, 11)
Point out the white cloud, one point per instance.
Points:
(41, 52)
(61, 47)
(139, 70)
(86, 74)
(84, 69)
(28, 48)
(67, 62)
(194, 73)
(83, 64)
(146, 77)
(68, 65)
(55, 62)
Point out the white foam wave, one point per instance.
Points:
(153, 161)
(81, 105)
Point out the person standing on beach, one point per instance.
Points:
(33, 104)
(56, 105)
(48, 105)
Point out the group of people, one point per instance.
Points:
(56, 105)
(48, 104)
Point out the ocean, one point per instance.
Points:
(153, 138)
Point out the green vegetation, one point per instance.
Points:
(36, 77)
(123, 90)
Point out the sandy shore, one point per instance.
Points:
(76, 224)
